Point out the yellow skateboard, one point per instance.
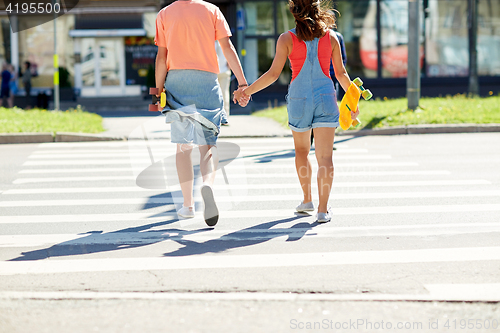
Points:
(350, 103)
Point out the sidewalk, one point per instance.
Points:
(130, 128)
(239, 126)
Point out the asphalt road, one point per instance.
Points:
(89, 239)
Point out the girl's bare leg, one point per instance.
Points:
(324, 137)
(302, 142)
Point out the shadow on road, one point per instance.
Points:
(99, 242)
(246, 237)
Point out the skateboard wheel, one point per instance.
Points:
(357, 81)
(356, 123)
(153, 108)
(367, 94)
(154, 91)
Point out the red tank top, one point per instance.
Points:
(299, 54)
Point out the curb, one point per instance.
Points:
(425, 129)
(26, 138)
(79, 137)
(9, 138)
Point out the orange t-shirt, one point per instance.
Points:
(189, 29)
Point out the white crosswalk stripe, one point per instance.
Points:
(66, 189)
(257, 198)
(466, 254)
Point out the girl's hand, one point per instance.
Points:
(355, 115)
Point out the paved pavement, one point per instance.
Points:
(88, 242)
(240, 126)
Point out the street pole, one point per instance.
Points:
(413, 78)
(56, 62)
(473, 78)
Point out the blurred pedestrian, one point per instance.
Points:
(186, 65)
(12, 84)
(344, 61)
(311, 99)
(5, 86)
(27, 83)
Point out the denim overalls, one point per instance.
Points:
(311, 99)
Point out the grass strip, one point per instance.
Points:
(383, 113)
(17, 120)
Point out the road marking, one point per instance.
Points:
(163, 142)
(247, 166)
(234, 214)
(222, 187)
(152, 236)
(125, 189)
(463, 254)
(75, 170)
(124, 153)
(71, 179)
(112, 161)
(487, 292)
(248, 198)
(245, 175)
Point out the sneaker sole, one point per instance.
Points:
(186, 216)
(210, 212)
(304, 210)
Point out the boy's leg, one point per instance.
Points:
(185, 172)
(302, 144)
(324, 137)
(208, 165)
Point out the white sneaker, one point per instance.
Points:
(325, 217)
(305, 207)
(186, 212)
(210, 211)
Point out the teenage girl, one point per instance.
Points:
(186, 32)
(311, 99)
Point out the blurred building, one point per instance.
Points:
(107, 46)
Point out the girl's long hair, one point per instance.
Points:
(311, 19)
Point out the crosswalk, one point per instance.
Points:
(92, 207)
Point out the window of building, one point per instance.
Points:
(488, 41)
(259, 18)
(447, 38)
(357, 24)
(37, 46)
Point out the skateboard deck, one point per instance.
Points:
(155, 99)
(350, 103)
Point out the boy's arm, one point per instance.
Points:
(232, 59)
(161, 67)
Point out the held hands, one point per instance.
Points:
(240, 97)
